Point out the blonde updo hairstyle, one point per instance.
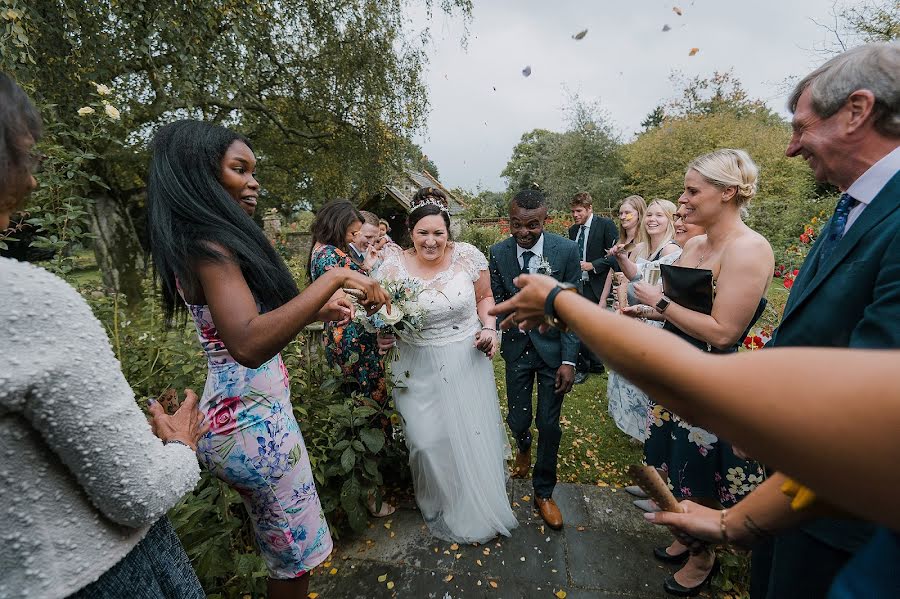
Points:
(643, 237)
(729, 168)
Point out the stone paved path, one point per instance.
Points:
(604, 551)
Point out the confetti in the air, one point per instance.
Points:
(580, 35)
(676, 10)
(666, 28)
(527, 71)
(693, 51)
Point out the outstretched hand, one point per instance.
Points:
(340, 311)
(373, 295)
(525, 310)
(695, 528)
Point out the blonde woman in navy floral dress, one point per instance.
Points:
(246, 307)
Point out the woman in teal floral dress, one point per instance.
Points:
(349, 345)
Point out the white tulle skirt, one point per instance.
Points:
(457, 440)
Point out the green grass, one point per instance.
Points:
(593, 450)
(85, 269)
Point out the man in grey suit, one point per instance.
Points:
(548, 357)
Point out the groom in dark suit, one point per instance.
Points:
(549, 357)
(593, 235)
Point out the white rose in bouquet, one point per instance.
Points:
(393, 318)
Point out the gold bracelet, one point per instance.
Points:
(722, 515)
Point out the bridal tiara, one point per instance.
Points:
(429, 200)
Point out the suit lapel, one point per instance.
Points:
(512, 263)
(878, 209)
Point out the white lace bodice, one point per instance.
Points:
(448, 299)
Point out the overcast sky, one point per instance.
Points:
(624, 61)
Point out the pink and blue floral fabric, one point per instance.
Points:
(255, 446)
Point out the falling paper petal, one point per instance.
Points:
(527, 71)
(666, 28)
(580, 35)
(693, 51)
(676, 10)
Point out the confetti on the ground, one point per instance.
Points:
(493, 584)
(333, 571)
(390, 585)
(448, 577)
(382, 578)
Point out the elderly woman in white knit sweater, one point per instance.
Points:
(84, 483)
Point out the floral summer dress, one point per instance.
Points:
(698, 463)
(254, 445)
(343, 342)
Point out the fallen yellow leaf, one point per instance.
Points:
(390, 585)
(333, 571)
(382, 578)
(387, 524)
(526, 497)
(493, 584)
(454, 547)
(312, 595)
(448, 578)
(560, 594)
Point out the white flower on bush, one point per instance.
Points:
(112, 112)
(704, 439)
(85, 110)
(102, 89)
(393, 318)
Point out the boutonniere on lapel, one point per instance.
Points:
(543, 267)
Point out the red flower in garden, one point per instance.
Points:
(804, 238)
(788, 282)
(796, 271)
(222, 418)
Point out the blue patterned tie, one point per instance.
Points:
(526, 259)
(581, 239)
(836, 227)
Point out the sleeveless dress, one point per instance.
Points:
(351, 339)
(627, 405)
(447, 395)
(698, 463)
(254, 445)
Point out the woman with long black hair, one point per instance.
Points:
(214, 261)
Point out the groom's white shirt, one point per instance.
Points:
(538, 250)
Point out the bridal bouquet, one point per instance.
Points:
(406, 316)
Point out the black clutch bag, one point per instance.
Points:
(691, 288)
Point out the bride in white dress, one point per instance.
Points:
(445, 387)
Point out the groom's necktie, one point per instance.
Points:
(836, 228)
(527, 255)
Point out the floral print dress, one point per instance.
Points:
(344, 342)
(254, 445)
(698, 463)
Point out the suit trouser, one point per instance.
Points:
(588, 360)
(520, 376)
(800, 567)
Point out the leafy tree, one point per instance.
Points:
(329, 91)
(585, 157)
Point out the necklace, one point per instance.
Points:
(702, 258)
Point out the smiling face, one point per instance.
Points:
(814, 139)
(238, 176)
(685, 231)
(656, 221)
(701, 201)
(526, 225)
(581, 214)
(429, 237)
(366, 236)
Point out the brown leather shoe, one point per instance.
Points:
(549, 512)
(523, 464)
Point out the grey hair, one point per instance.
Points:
(874, 67)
